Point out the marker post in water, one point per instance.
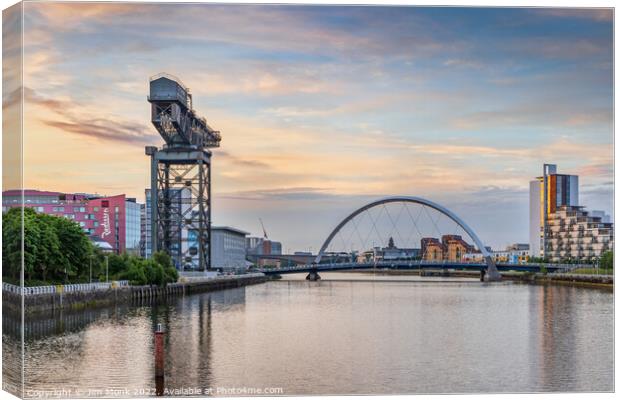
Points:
(159, 360)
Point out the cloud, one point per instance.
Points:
(284, 194)
(539, 114)
(462, 63)
(239, 161)
(85, 124)
(596, 14)
(105, 130)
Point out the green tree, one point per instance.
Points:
(76, 246)
(55, 249)
(170, 273)
(607, 260)
(12, 243)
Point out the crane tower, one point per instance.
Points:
(180, 193)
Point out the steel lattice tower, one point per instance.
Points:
(180, 176)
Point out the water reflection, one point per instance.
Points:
(331, 337)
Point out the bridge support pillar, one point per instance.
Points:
(491, 274)
(313, 276)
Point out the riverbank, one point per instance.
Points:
(579, 280)
(116, 295)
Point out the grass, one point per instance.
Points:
(592, 271)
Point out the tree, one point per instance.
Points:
(12, 243)
(607, 260)
(55, 249)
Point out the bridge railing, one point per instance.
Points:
(70, 288)
(553, 268)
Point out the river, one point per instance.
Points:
(347, 334)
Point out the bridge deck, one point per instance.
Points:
(415, 265)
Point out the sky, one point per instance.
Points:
(325, 108)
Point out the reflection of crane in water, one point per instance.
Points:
(180, 176)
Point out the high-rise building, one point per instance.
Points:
(132, 226)
(547, 193)
(146, 226)
(183, 244)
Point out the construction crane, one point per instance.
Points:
(264, 231)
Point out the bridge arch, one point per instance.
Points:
(492, 272)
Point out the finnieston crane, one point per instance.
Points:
(180, 195)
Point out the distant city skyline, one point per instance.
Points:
(323, 108)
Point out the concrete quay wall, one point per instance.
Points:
(45, 302)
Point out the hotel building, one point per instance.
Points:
(113, 219)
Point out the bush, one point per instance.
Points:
(138, 271)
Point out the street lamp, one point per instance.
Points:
(90, 273)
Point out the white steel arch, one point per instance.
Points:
(492, 272)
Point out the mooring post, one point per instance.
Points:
(159, 351)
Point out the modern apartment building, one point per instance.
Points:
(561, 229)
(548, 193)
(574, 234)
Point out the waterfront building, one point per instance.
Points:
(144, 220)
(258, 246)
(111, 219)
(560, 228)
(228, 251)
(146, 225)
(547, 193)
(574, 234)
(517, 253)
(450, 248)
(386, 254)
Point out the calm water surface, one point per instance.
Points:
(350, 333)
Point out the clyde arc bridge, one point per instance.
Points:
(399, 232)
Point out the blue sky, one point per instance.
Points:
(322, 108)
